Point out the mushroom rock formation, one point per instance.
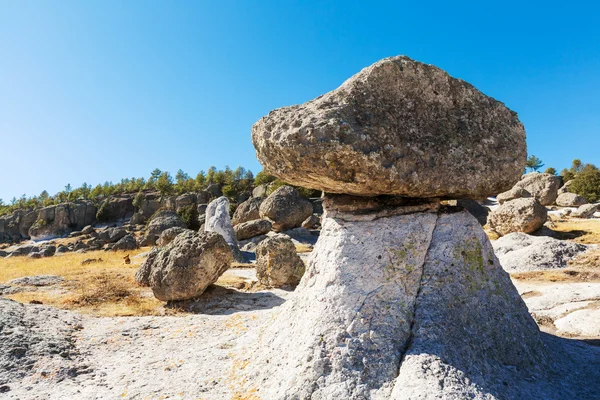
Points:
(402, 298)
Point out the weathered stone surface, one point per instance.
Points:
(36, 340)
(570, 200)
(585, 211)
(285, 208)
(247, 211)
(192, 261)
(260, 191)
(277, 263)
(61, 219)
(142, 275)
(161, 221)
(311, 222)
(519, 215)
(405, 307)
(168, 235)
(518, 252)
(37, 280)
(218, 220)
(250, 229)
(514, 193)
(544, 187)
(127, 242)
(397, 127)
(565, 188)
(112, 235)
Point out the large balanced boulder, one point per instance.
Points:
(217, 220)
(277, 263)
(514, 193)
(519, 215)
(247, 211)
(397, 127)
(192, 261)
(519, 252)
(286, 209)
(570, 200)
(544, 187)
(250, 229)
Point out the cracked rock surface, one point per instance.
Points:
(405, 307)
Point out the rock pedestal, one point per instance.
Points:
(402, 298)
(403, 307)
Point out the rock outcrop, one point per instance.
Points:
(59, 220)
(218, 220)
(184, 269)
(286, 209)
(277, 263)
(570, 200)
(397, 127)
(519, 252)
(544, 187)
(519, 215)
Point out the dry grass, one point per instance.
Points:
(585, 231)
(104, 288)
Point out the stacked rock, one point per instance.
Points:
(402, 298)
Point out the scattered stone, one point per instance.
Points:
(519, 215)
(544, 187)
(514, 193)
(247, 211)
(161, 221)
(260, 191)
(191, 262)
(286, 209)
(519, 252)
(398, 127)
(277, 263)
(570, 200)
(250, 229)
(218, 220)
(585, 211)
(112, 235)
(88, 230)
(127, 242)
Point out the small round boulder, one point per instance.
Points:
(277, 263)
(519, 215)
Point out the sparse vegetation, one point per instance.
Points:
(534, 163)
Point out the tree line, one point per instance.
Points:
(232, 183)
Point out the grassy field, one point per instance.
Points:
(103, 288)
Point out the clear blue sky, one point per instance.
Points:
(96, 91)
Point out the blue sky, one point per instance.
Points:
(96, 91)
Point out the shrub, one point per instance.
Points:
(189, 215)
(139, 199)
(103, 214)
(587, 183)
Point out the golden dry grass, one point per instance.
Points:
(586, 231)
(105, 288)
(303, 248)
